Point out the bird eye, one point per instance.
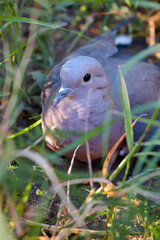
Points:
(86, 77)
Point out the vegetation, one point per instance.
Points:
(39, 198)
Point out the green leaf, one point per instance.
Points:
(63, 6)
(39, 192)
(146, 4)
(128, 3)
(26, 192)
(46, 4)
(39, 77)
(127, 113)
(9, 1)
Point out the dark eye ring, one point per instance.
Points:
(86, 77)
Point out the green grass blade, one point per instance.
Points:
(139, 57)
(151, 153)
(127, 112)
(18, 49)
(85, 137)
(41, 31)
(79, 35)
(54, 25)
(25, 129)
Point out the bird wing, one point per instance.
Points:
(100, 48)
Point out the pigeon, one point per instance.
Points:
(81, 92)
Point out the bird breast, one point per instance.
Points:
(71, 113)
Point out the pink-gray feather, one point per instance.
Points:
(85, 103)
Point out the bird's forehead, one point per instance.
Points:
(75, 68)
(78, 64)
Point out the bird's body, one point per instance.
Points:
(88, 89)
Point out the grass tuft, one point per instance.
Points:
(34, 36)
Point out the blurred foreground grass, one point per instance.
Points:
(34, 36)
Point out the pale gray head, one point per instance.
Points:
(81, 71)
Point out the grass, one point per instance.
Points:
(38, 198)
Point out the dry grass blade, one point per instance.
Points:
(82, 180)
(109, 160)
(52, 228)
(69, 173)
(137, 181)
(135, 148)
(111, 156)
(87, 144)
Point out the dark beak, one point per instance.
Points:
(63, 92)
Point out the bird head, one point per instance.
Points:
(78, 75)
